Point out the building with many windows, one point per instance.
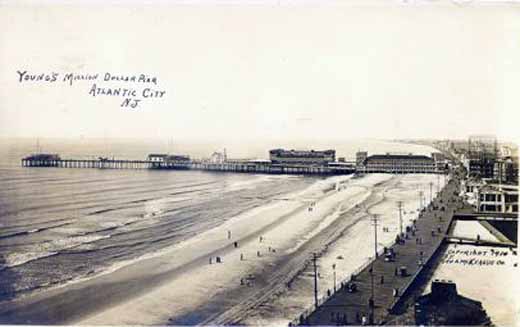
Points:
(394, 163)
(497, 198)
(312, 157)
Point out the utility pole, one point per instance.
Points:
(334, 272)
(375, 220)
(400, 206)
(431, 195)
(371, 302)
(315, 280)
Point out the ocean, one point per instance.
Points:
(59, 226)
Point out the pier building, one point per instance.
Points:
(41, 160)
(169, 161)
(395, 163)
(312, 157)
(155, 157)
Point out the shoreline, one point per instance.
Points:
(146, 287)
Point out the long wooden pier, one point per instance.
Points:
(382, 287)
(54, 160)
(88, 163)
(243, 167)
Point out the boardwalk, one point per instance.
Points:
(354, 308)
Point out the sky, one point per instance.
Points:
(263, 70)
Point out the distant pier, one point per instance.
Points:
(281, 162)
(87, 163)
(238, 167)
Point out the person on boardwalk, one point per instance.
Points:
(235, 244)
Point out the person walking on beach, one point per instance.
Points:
(241, 257)
(261, 238)
(229, 234)
(210, 260)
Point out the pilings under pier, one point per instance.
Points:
(236, 167)
(80, 163)
(246, 167)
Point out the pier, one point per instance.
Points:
(237, 167)
(87, 163)
(384, 285)
(281, 162)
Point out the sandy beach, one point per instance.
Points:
(262, 279)
(275, 243)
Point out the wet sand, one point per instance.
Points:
(179, 285)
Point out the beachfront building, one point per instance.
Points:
(394, 163)
(469, 190)
(480, 167)
(497, 198)
(506, 171)
(312, 157)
